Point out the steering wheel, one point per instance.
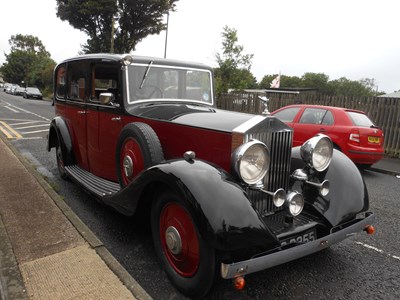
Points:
(153, 89)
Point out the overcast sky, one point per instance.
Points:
(343, 38)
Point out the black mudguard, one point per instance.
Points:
(348, 194)
(219, 206)
(59, 134)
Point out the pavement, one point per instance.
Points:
(47, 252)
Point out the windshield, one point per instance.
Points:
(167, 82)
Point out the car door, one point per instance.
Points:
(75, 110)
(104, 121)
(311, 122)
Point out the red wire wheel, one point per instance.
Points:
(188, 259)
(60, 163)
(138, 148)
(179, 239)
(131, 160)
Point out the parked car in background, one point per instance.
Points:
(11, 88)
(32, 93)
(223, 192)
(351, 131)
(19, 91)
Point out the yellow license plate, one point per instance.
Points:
(374, 139)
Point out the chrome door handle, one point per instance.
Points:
(116, 119)
(81, 112)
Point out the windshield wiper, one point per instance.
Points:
(146, 73)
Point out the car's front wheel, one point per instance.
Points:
(186, 257)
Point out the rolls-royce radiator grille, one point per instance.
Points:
(280, 146)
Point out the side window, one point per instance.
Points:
(328, 118)
(287, 115)
(77, 81)
(104, 79)
(61, 82)
(312, 116)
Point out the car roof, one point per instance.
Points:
(323, 107)
(137, 59)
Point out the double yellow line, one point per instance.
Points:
(8, 131)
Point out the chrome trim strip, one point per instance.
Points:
(243, 128)
(129, 101)
(271, 260)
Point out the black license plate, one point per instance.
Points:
(302, 238)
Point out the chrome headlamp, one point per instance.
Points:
(251, 161)
(127, 60)
(317, 152)
(295, 202)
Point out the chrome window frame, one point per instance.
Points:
(128, 98)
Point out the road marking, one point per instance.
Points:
(37, 131)
(33, 126)
(24, 123)
(26, 111)
(8, 131)
(13, 110)
(32, 138)
(378, 250)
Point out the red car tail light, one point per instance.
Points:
(354, 137)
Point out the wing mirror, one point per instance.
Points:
(107, 98)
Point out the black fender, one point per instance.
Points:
(348, 194)
(59, 135)
(219, 206)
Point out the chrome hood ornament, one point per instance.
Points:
(265, 101)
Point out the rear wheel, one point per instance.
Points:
(188, 260)
(60, 163)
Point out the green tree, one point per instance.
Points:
(233, 70)
(27, 62)
(317, 81)
(286, 81)
(265, 82)
(346, 87)
(320, 81)
(115, 25)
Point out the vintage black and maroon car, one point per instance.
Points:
(222, 190)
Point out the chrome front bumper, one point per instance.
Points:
(271, 260)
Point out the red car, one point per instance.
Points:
(351, 131)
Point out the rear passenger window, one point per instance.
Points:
(77, 81)
(61, 82)
(328, 118)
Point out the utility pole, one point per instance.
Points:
(166, 37)
(112, 35)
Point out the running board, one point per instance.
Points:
(96, 185)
